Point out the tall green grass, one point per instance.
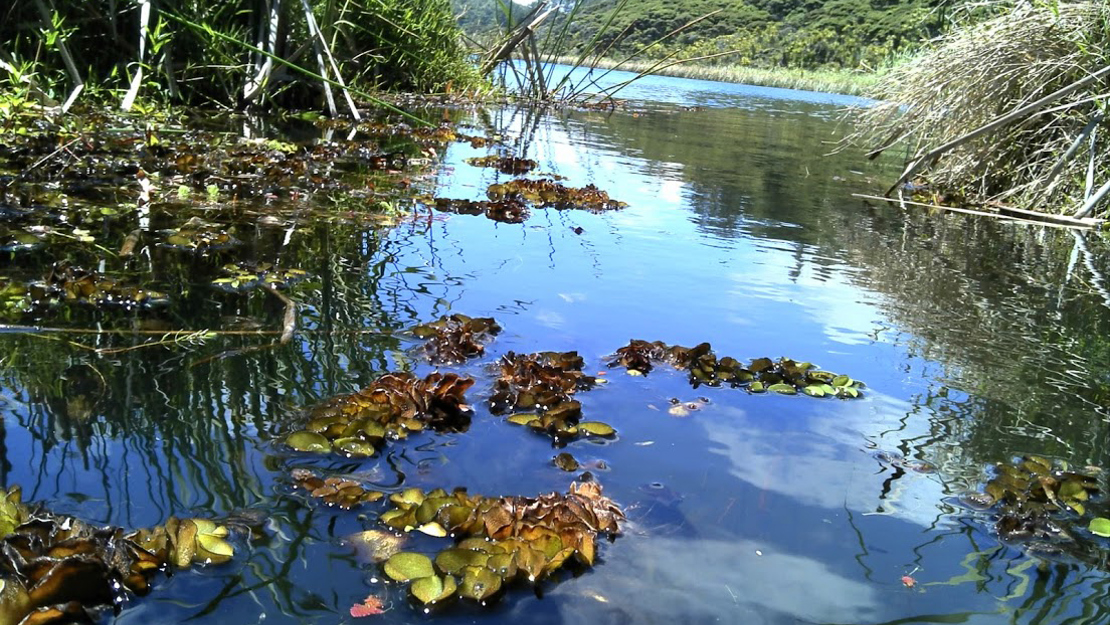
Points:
(206, 52)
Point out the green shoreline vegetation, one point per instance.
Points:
(846, 82)
(281, 55)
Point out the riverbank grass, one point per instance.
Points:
(847, 82)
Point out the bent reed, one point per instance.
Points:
(1003, 109)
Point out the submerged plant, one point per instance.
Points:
(201, 239)
(244, 275)
(69, 283)
(500, 539)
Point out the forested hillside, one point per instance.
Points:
(766, 33)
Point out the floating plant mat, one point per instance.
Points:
(499, 539)
(58, 569)
(1048, 509)
(455, 338)
(250, 167)
(134, 208)
(504, 164)
(510, 202)
(510, 211)
(783, 376)
(356, 425)
(343, 493)
(551, 194)
(68, 283)
(542, 384)
(244, 275)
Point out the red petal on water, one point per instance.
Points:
(908, 581)
(369, 607)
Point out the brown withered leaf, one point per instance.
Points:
(334, 491)
(543, 382)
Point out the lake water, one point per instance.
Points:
(978, 341)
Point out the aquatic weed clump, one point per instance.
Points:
(508, 210)
(452, 339)
(510, 202)
(58, 569)
(396, 404)
(342, 492)
(784, 376)
(499, 539)
(504, 164)
(1047, 508)
(538, 389)
(549, 193)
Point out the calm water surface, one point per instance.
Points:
(978, 341)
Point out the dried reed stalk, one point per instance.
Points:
(994, 109)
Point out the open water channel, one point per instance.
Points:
(980, 342)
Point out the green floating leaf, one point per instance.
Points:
(479, 583)
(1100, 527)
(405, 566)
(456, 559)
(433, 588)
(597, 428)
(432, 529)
(523, 419)
(354, 447)
(213, 549)
(1073, 489)
(308, 441)
(566, 462)
(783, 388)
(814, 390)
(757, 387)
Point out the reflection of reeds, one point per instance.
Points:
(188, 437)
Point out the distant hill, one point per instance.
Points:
(768, 33)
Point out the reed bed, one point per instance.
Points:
(1003, 109)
